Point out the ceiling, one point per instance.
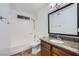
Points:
(32, 8)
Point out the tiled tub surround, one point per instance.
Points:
(71, 44)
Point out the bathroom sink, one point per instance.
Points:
(56, 41)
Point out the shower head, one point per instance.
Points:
(4, 20)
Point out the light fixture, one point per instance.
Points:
(51, 5)
(56, 5)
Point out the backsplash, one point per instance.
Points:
(70, 38)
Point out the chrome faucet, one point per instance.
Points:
(58, 37)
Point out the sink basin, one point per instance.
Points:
(56, 41)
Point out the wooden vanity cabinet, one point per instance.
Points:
(45, 52)
(45, 49)
(48, 49)
(60, 52)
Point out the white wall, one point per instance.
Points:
(4, 30)
(42, 22)
(21, 31)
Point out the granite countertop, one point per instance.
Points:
(69, 45)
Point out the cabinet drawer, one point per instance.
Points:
(59, 52)
(46, 45)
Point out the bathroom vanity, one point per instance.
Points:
(63, 21)
(58, 49)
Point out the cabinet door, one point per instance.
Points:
(60, 52)
(46, 45)
(53, 54)
(45, 51)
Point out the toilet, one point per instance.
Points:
(35, 45)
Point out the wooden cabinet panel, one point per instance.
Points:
(46, 45)
(45, 51)
(48, 50)
(59, 52)
(54, 54)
